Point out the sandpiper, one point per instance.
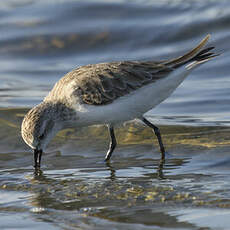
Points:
(108, 93)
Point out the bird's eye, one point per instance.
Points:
(41, 136)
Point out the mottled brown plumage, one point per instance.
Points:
(101, 84)
(108, 93)
(50, 113)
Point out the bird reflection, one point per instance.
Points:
(160, 169)
(112, 171)
(37, 173)
(159, 172)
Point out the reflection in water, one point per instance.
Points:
(38, 174)
(160, 169)
(41, 177)
(112, 171)
(135, 184)
(144, 197)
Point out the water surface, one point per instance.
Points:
(41, 41)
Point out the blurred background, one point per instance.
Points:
(40, 41)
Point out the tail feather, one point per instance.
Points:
(205, 50)
(191, 54)
(204, 54)
(195, 57)
(201, 61)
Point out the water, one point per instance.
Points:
(42, 40)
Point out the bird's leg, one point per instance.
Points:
(112, 144)
(37, 158)
(157, 133)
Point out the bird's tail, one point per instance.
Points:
(195, 57)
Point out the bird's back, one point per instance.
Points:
(101, 84)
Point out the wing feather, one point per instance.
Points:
(105, 82)
(101, 84)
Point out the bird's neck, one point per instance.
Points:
(60, 112)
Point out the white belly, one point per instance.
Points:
(133, 105)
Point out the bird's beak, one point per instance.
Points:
(37, 158)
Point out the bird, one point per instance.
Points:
(108, 94)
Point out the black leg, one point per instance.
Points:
(112, 144)
(37, 158)
(157, 133)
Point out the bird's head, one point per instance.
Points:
(38, 128)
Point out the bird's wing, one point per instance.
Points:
(101, 84)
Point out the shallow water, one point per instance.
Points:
(42, 40)
(75, 189)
